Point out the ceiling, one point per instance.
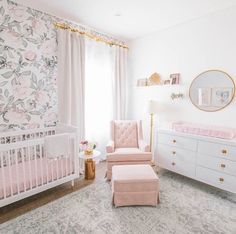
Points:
(129, 19)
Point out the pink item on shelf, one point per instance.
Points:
(204, 130)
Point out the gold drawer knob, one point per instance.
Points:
(174, 141)
(173, 164)
(221, 179)
(173, 152)
(222, 165)
(224, 151)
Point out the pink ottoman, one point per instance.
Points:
(134, 185)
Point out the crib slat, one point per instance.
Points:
(3, 175)
(41, 163)
(35, 165)
(30, 166)
(10, 171)
(17, 172)
(57, 167)
(23, 164)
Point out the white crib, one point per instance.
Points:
(24, 168)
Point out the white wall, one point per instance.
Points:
(190, 48)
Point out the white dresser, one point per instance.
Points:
(207, 159)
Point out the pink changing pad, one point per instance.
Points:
(205, 130)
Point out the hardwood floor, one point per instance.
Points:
(21, 207)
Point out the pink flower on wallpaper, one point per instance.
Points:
(18, 13)
(15, 116)
(21, 92)
(30, 55)
(11, 37)
(24, 81)
(50, 117)
(49, 47)
(42, 97)
(38, 26)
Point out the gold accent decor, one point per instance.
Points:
(154, 79)
(222, 165)
(224, 151)
(89, 169)
(221, 179)
(89, 35)
(88, 152)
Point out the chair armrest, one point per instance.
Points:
(110, 147)
(143, 146)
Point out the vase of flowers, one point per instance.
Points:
(87, 147)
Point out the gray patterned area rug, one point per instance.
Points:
(187, 206)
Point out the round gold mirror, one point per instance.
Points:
(212, 90)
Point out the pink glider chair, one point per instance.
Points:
(126, 145)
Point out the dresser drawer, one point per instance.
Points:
(219, 164)
(217, 150)
(217, 179)
(177, 160)
(173, 152)
(182, 142)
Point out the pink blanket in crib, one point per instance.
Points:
(32, 173)
(205, 130)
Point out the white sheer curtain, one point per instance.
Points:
(71, 58)
(120, 83)
(98, 92)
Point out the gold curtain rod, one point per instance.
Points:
(91, 36)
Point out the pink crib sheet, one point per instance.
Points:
(205, 130)
(45, 170)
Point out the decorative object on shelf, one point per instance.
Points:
(152, 109)
(177, 96)
(212, 90)
(174, 78)
(142, 82)
(166, 82)
(87, 147)
(154, 79)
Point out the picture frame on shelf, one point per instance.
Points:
(142, 82)
(166, 82)
(174, 78)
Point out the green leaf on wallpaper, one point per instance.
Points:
(8, 74)
(34, 78)
(2, 11)
(35, 112)
(1, 98)
(41, 84)
(3, 83)
(10, 99)
(26, 73)
(24, 43)
(6, 93)
(10, 54)
(32, 40)
(28, 117)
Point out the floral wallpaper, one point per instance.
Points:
(28, 68)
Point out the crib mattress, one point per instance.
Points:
(32, 174)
